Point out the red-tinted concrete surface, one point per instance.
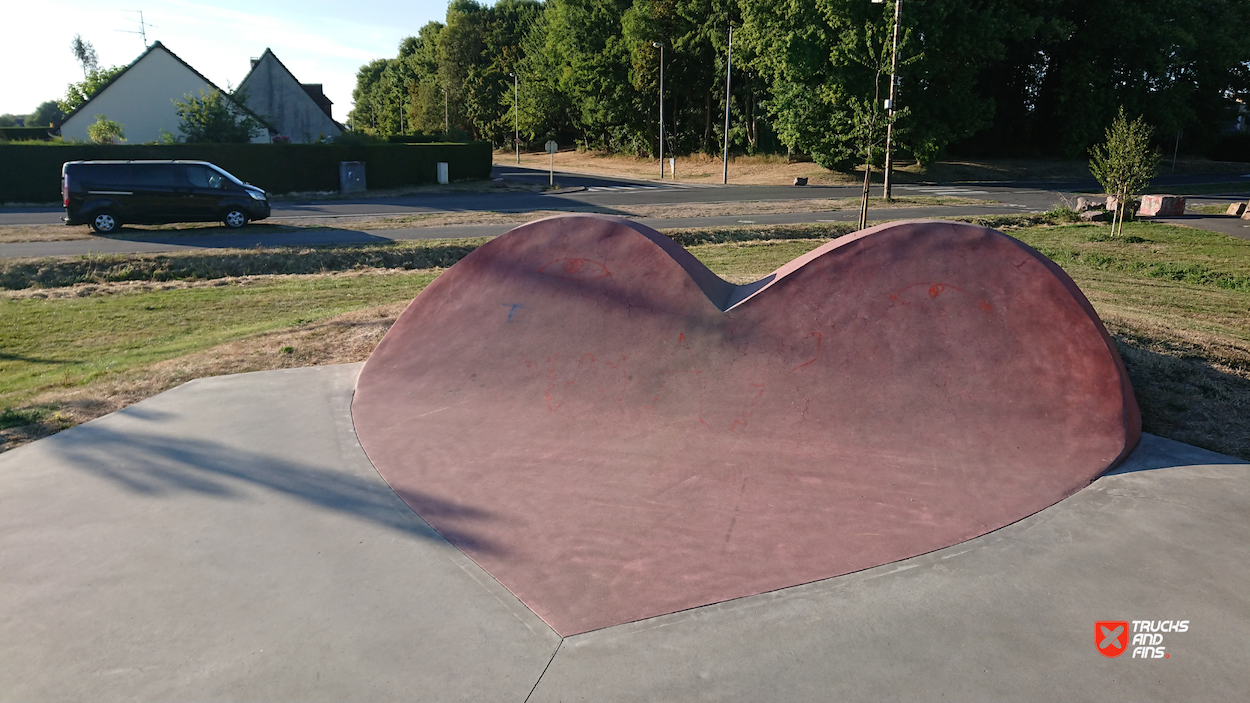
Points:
(571, 407)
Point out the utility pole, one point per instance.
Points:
(889, 127)
(516, 116)
(661, 48)
(729, 60)
(446, 117)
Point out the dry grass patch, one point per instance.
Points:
(342, 339)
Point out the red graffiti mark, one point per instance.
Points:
(575, 269)
(985, 306)
(816, 356)
(932, 289)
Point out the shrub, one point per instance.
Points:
(105, 131)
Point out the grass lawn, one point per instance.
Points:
(84, 336)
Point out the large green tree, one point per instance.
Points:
(48, 113)
(994, 76)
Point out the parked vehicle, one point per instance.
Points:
(106, 194)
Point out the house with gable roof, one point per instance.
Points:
(300, 111)
(142, 97)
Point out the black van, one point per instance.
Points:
(105, 194)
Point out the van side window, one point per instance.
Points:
(158, 175)
(107, 175)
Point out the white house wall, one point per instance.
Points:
(275, 95)
(141, 99)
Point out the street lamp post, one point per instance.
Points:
(889, 127)
(516, 116)
(660, 46)
(729, 60)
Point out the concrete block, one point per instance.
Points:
(1113, 203)
(1086, 204)
(800, 181)
(1236, 209)
(1162, 206)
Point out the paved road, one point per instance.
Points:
(601, 193)
(596, 191)
(165, 241)
(156, 242)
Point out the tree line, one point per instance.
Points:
(988, 77)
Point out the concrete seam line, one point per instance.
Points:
(540, 676)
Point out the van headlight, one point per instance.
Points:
(257, 194)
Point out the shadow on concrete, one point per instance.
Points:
(1160, 453)
(160, 465)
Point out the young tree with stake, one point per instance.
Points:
(1124, 165)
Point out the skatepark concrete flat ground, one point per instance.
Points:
(228, 539)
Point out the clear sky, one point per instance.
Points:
(321, 41)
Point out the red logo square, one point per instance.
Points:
(1111, 637)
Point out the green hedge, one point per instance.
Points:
(31, 172)
(21, 134)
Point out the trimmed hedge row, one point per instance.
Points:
(21, 134)
(32, 172)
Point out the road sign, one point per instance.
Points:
(552, 148)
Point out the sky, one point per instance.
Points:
(320, 41)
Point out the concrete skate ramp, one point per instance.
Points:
(615, 433)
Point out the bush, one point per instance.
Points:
(215, 119)
(106, 131)
(32, 170)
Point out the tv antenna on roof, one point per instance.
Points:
(143, 28)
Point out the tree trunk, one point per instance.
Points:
(707, 122)
(753, 134)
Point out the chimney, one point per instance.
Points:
(255, 61)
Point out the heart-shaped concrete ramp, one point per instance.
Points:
(615, 433)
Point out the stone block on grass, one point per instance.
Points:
(1113, 203)
(1236, 209)
(1087, 204)
(1162, 206)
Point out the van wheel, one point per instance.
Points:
(234, 219)
(105, 223)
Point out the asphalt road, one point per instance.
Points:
(586, 191)
(582, 191)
